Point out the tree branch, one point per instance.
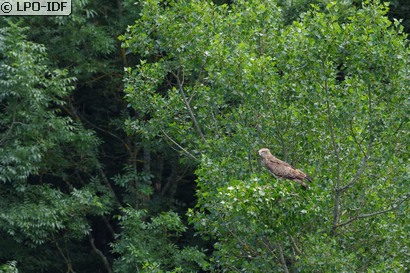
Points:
(79, 117)
(358, 143)
(187, 105)
(367, 215)
(363, 165)
(337, 156)
(108, 184)
(66, 259)
(179, 146)
(356, 177)
(99, 253)
(268, 245)
(295, 246)
(282, 257)
(108, 225)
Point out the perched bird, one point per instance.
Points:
(281, 169)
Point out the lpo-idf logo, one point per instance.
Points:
(35, 7)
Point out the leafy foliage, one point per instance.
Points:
(39, 148)
(9, 268)
(34, 135)
(332, 86)
(149, 245)
(323, 84)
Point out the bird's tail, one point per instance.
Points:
(304, 185)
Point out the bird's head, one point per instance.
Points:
(264, 152)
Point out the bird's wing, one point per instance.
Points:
(284, 169)
(279, 162)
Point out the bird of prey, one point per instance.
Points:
(281, 169)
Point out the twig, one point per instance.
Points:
(367, 215)
(179, 146)
(281, 137)
(269, 247)
(282, 257)
(80, 117)
(295, 246)
(337, 156)
(66, 259)
(358, 143)
(356, 177)
(187, 105)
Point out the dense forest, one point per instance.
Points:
(129, 137)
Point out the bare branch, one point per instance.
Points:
(337, 156)
(268, 246)
(108, 184)
(99, 253)
(179, 146)
(367, 215)
(358, 143)
(295, 246)
(75, 113)
(187, 105)
(248, 249)
(356, 177)
(109, 227)
(281, 137)
(282, 257)
(339, 190)
(66, 258)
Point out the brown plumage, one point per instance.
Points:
(279, 168)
